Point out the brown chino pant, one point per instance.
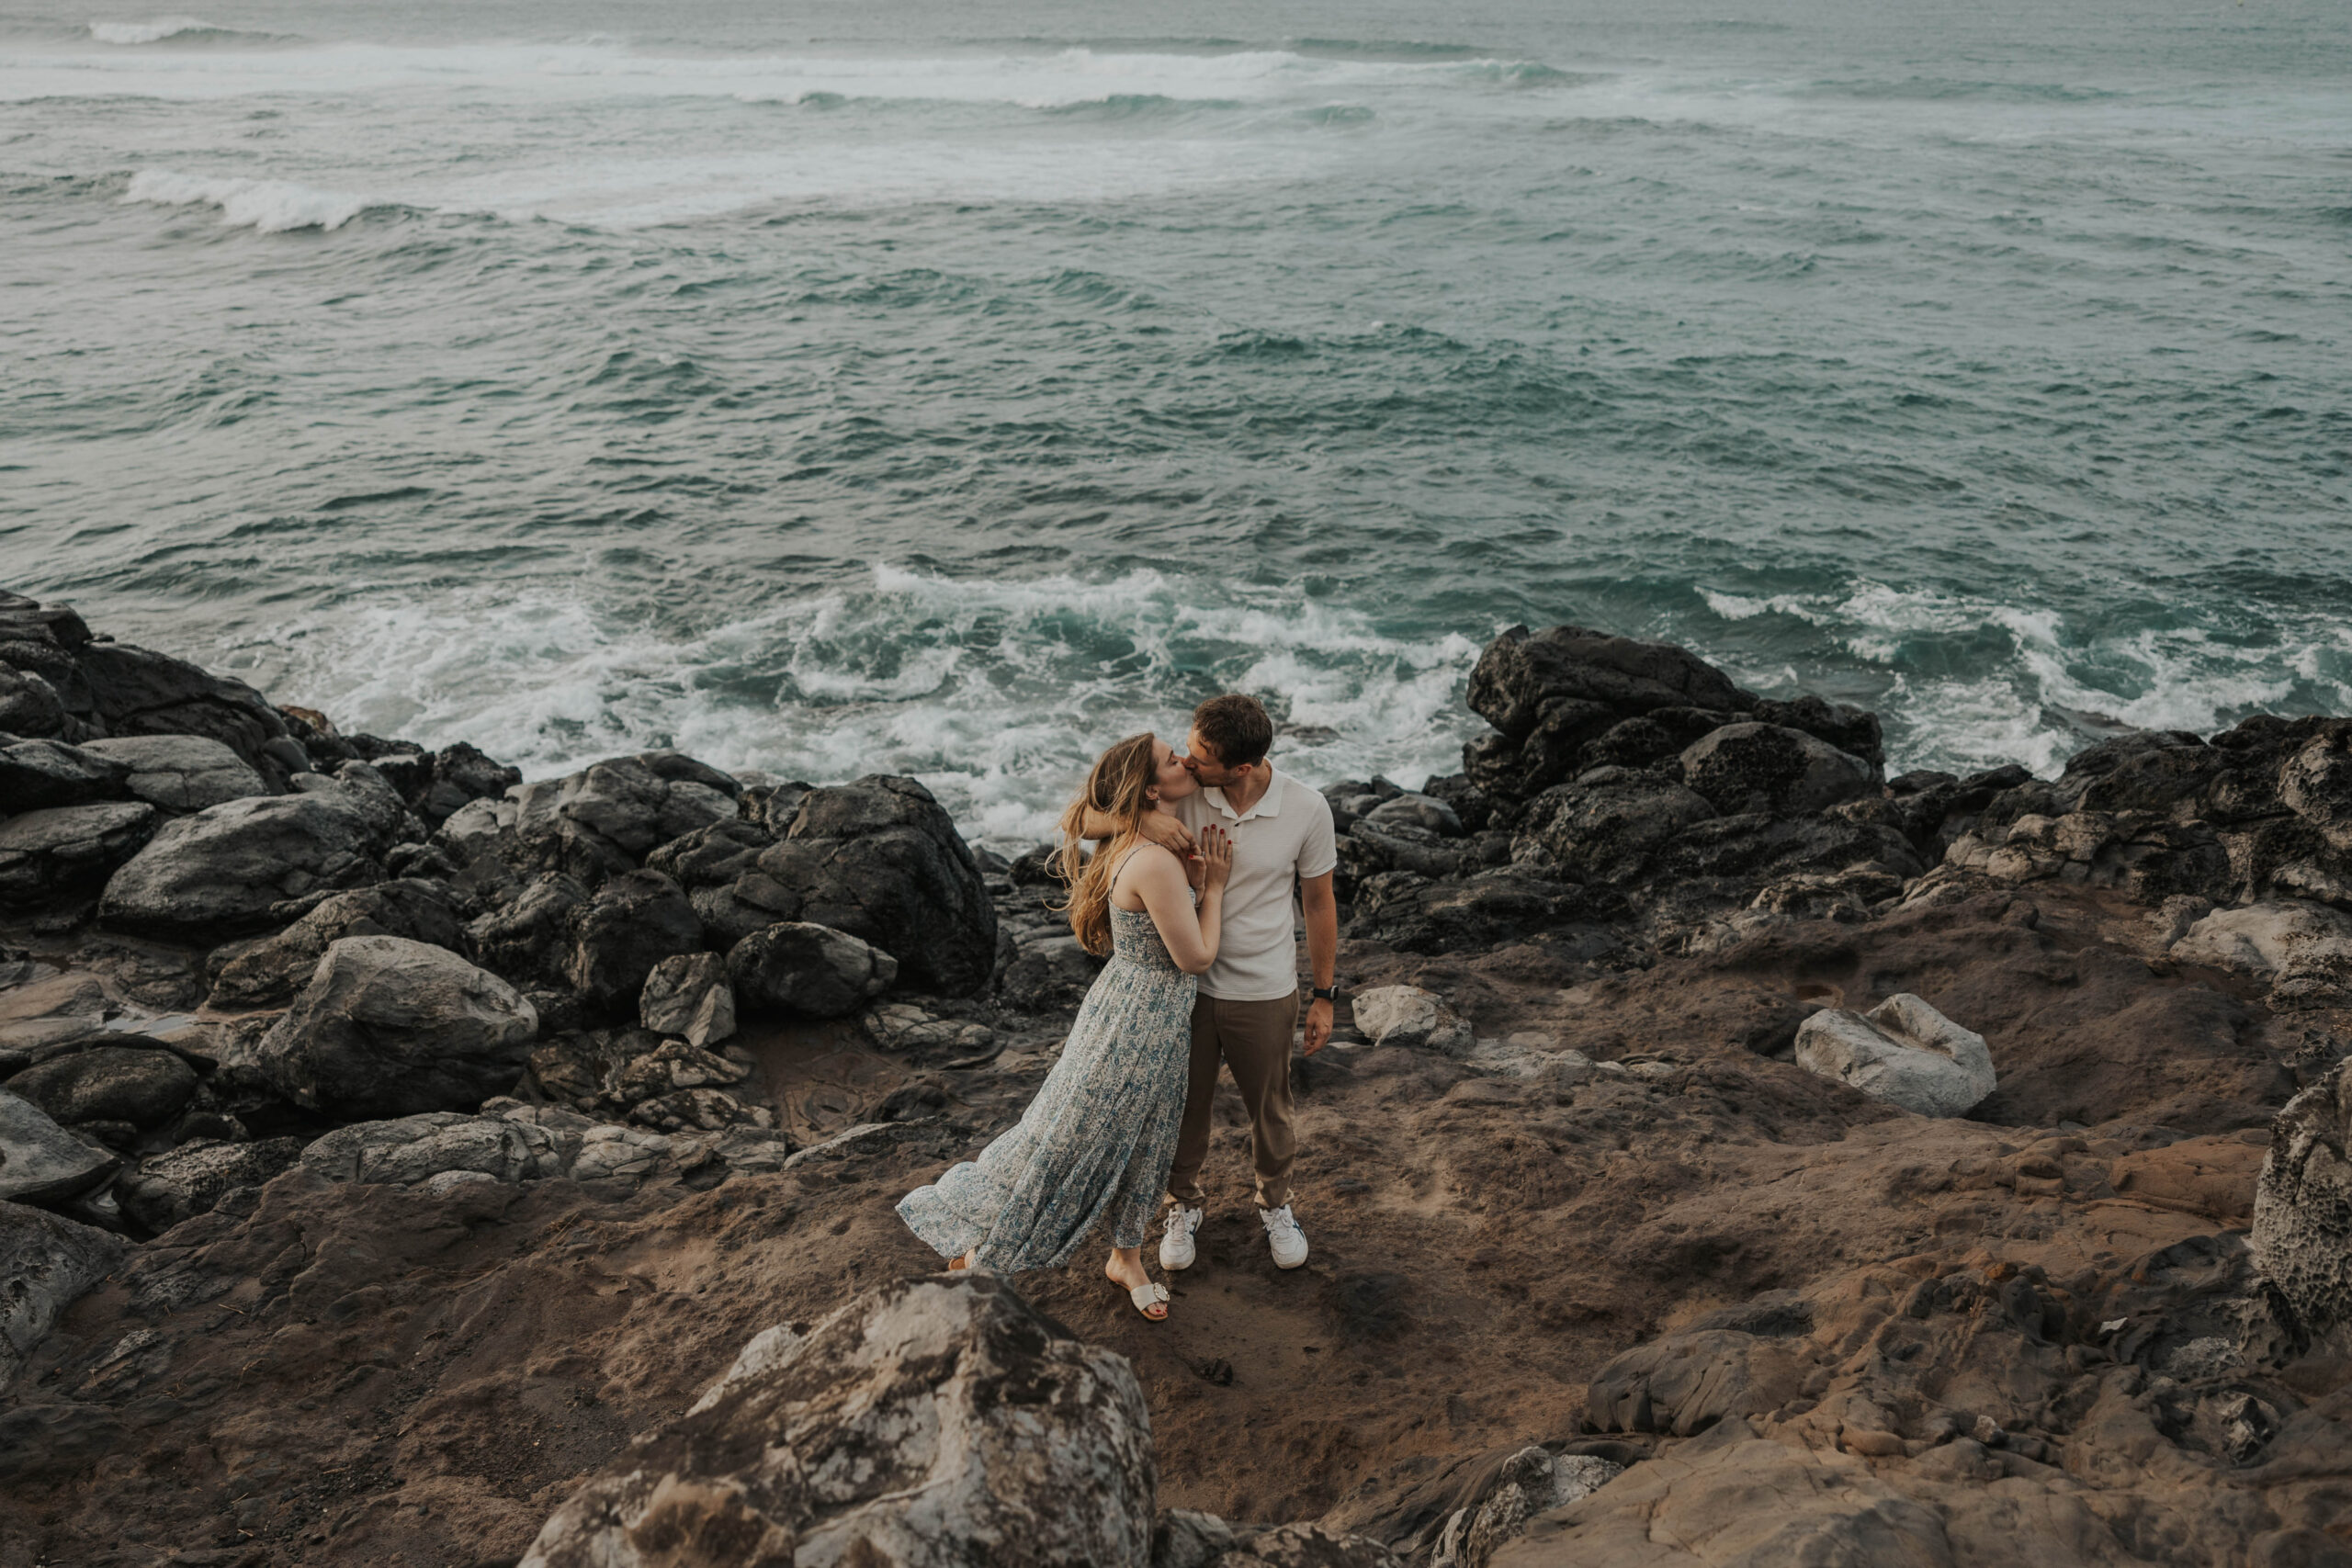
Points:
(1253, 1040)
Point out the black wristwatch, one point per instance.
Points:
(1324, 993)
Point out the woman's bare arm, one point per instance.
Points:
(1160, 829)
(1157, 878)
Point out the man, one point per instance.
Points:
(1247, 1003)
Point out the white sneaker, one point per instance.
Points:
(1176, 1242)
(1282, 1233)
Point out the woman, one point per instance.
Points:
(1094, 1146)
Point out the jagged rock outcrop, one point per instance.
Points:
(180, 773)
(70, 851)
(688, 995)
(391, 1027)
(2302, 1206)
(935, 1423)
(39, 1161)
(146, 1089)
(632, 922)
(268, 971)
(166, 1188)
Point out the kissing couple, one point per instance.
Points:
(1190, 896)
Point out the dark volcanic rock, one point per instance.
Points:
(1048, 973)
(1494, 909)
(180, 773)
(218, 873)
(797, 966)
(1522, 672)
(168, 1188)
(390, 1027)
(2302, 1208)
(688, 995)
(36, 774)
(39, 1161)
(634, 921)
(460, 775)
(29, 706)
(70, 851)
(934, 1422)
(268, 971)
(136, 692)
(526, 941)
(881, 860)
(605, 819)
(1606, 829)
(111, 1083)
(1750, 766)
(52, 1261)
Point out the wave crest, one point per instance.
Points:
(268, 206)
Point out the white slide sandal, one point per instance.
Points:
(1147, 1297)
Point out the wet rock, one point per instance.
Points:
(390, 1027)
(461, 776)
(910, 1446)
(218, 873)
(180, 773)
(1409, 1016)
(37, 775)
(133, 691)
(268, 971)
(688, 995)
(70, 850)
(2304, 950)
(110, 1083)
(797, 966)
(2302, 1204)
(633, 922)
(39, 1161)
(881, 860)
(168, 1188)
(52, 1261)
(1745, 767)
(1902, 1052)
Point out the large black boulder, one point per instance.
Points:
(1476, 914)
(389, 1027)
(1522, 672)
(527, 938)
(1770, 767)
(37, 774)
(219, 873)
(268, 971)
(881, 860)
(605, 819)
(796, 967)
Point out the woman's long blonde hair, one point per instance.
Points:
(1119, 785)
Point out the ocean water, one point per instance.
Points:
(951, 388)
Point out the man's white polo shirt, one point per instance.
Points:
(1286, 836)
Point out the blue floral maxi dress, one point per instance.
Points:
(1096, 1144)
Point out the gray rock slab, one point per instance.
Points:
(39, 1161)
(52, 1261)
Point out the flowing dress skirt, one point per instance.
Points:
(1095, 1147)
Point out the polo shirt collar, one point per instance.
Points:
(1269, 804)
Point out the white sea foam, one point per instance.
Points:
(995, 692)
(270, 206)
(154, 31)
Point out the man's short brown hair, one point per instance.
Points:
(1237, 727)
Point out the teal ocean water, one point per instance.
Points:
(950, 388)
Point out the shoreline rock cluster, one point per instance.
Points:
(260, 979)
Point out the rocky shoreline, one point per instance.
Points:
(1734, 1155)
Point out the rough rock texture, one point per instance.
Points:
(2303, 1207)
(1745, 767)
(111, 1083)
(634, 921)
(880, 859)
(390, 1027)
(218, 873)
(799, 967)
(688, 995)
(50, 1261)
(37, 775)
(1409, 1016)
(2304, 950)
(1902, 1052)
(39, 1161)
(527, 940)
(168, 1188)
(603, 820)
(70, 851)
(268, 971)
(941, 1422)
(180, 773)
